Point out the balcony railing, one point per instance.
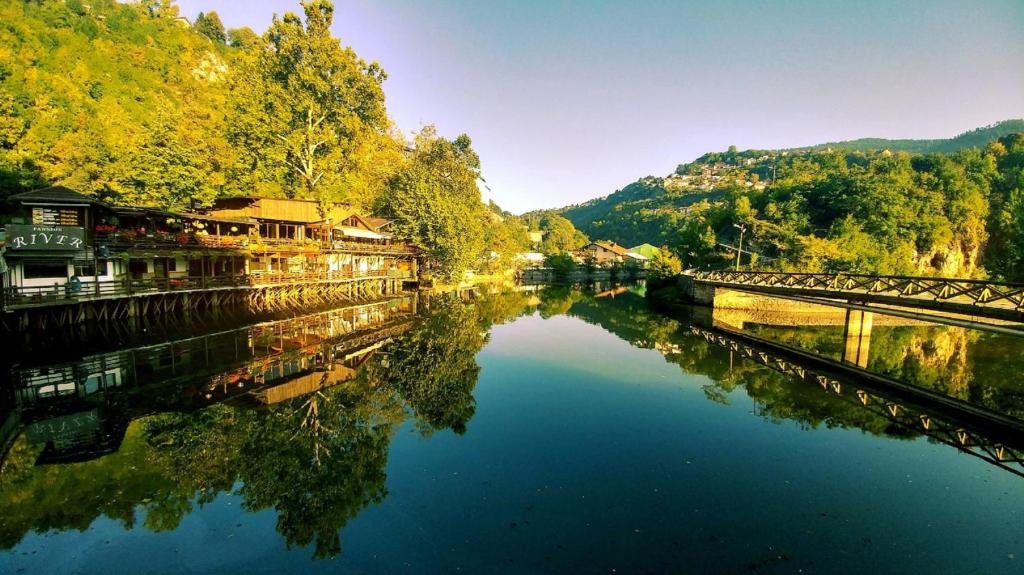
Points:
(69, 292)
(166, 240)
(128, 240)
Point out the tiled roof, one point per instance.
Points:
(613, 247)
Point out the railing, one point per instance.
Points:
(956, 423)
(67, 292)
(359, 247)
(265, 278)
(953, 290)
(162, 240)
(336, 245)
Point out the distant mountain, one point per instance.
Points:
(976, 138)
(650, 209)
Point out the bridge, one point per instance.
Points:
(995, 306)
(972, 429)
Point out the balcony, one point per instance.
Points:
(128, 240)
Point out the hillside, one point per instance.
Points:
(955, 209)
(650, 209)
(976, 138)
(110, 99)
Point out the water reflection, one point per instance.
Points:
(298, 415)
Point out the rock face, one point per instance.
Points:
(958, 258)
(210, 68)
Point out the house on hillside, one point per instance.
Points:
(605, 252)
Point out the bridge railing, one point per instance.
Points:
(978, 292)
(904, 410)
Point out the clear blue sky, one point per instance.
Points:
(566, 101)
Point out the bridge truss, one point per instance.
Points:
(985, 298)
(941, 427)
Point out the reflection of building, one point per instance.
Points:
(81, 410)
(67, 249)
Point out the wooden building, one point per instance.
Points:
(63, 247)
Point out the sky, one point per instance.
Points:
(568, 101)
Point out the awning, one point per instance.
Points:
(360, 233)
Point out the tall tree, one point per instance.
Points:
(303, 108)
(435, 201)
(209, 25)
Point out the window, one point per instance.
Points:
(87, 268)
(137, 268)
(36, 269)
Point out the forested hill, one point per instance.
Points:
(955, 212)
(976, 138)
(135, 105)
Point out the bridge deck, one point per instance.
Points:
(980, 298)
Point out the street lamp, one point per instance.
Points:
(739, 250)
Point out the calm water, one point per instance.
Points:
(549, 431)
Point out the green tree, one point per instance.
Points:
(560, 236)
(301, 108)
(664, 265)
(434, 201)
(244, 38)
(209, 25)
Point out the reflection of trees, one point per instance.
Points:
(433, 366)
(320, 459)
(170, 462)
(72, 496)
(317, 461)
(959, 362)
(777, 395)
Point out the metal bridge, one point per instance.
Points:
(977, 298)
(976, 430)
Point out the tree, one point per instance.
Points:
(504, 240)
(244, 38)
(209, 25)
(560, 235)
(664, 265)
(301, 109)
(434, 201)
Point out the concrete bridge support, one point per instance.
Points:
(857, 336)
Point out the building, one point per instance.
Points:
(605, 252)
(63, 247)
(647, 250)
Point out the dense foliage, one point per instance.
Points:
(954, 214)
(131, 103)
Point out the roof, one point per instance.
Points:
(646, 250)
(377, 223)
(360, 233)
(612, 247)
(54, 194)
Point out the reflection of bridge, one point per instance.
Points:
(977, 298)
(82, 409)
(989, 435)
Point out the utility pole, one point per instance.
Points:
(739, 250)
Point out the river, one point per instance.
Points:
(519, 431)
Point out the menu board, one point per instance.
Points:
(55, 216)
